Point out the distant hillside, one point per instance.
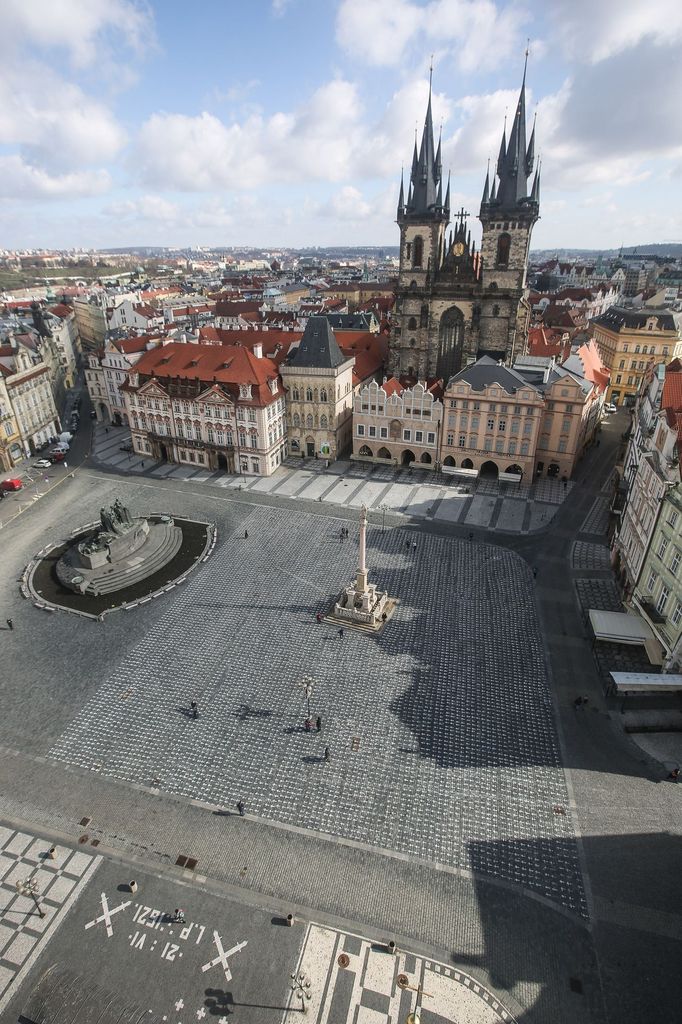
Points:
(666, 250)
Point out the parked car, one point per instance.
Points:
(57, 456)
(126, 447)
(11, 485)
(62, 446)
(42, 464)
(610, 408)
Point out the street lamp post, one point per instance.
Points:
(29, 887)
(383, 509)
(307, 684)
(300, 986)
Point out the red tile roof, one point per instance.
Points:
(147, 311)
(228, 365)
(230, 307)
(671, 396)
(61, 310)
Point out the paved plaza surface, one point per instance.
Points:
(437, 741)
(419, 494)
(528, 945)
(112, 948)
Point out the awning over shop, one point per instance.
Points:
(625, 628)
(644, 682)
(619, 627)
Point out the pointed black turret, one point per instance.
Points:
(425, 193)
(515, 164)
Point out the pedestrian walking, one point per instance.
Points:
(674, 774)
(318, 724)
(535, 572)
(141, 463)
(308, 725)
(246, 534)
(414, 545)
(340, 634)
(318, 617)
(240, 808)
(179, 916)
(578, 702)
(327, 754)
(471, 536)
(194, 709)
(598, 441)
(10, 624)
(106, 430)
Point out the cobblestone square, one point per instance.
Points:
(441, 732)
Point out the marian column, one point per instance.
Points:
(361, 581)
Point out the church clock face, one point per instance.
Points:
(458, 249)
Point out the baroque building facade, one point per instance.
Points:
(454, 304)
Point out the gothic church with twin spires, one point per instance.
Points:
(454, 304)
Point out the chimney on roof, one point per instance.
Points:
(258, 350)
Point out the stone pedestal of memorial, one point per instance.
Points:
(362, 605)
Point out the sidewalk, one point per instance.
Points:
(509, 508)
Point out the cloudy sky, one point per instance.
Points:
(286, 122)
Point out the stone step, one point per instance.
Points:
(169, 547)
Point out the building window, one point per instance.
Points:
(297, 420)
(524, 447)
(309, 422)
(491, 424)
(619, 378)
(499, 446)
(562, 446)
(677, 558)
(662, 599)
(488, 444)
(651, 582)
(450, 440)
(565, 426)
(677, 615)
(407, 435)
(361, 430)
(502, 425)
(512, 447)
(309, 395)
(323, 395)
(383, 431)
(418, 436)
(323, 422)
(418, 251)
(430, 438)
(296, 395)
(672, 518)
(372, 431)
(662, 547)
(503, 247)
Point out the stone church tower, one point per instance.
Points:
(454, 304)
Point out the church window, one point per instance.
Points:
(309, 395)
(412, 323)
(296, 395)
(503, 247)
(496, 310)
(418, 251)
(408, 251)
(308, 422)
(424, 316)
(297, 420)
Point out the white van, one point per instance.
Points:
(65, 437)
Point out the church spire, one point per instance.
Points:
(486, 187)
(447, 198)
(515, 161)
(425, 195)
(401, 197)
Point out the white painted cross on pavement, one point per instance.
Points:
(107, 915)
(222, 956)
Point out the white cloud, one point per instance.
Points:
(21, 180)
(475, 34)
(347, 204)
(148, 207)
(202, 153)
(81, 27)
(53, 121)
(596, 31)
